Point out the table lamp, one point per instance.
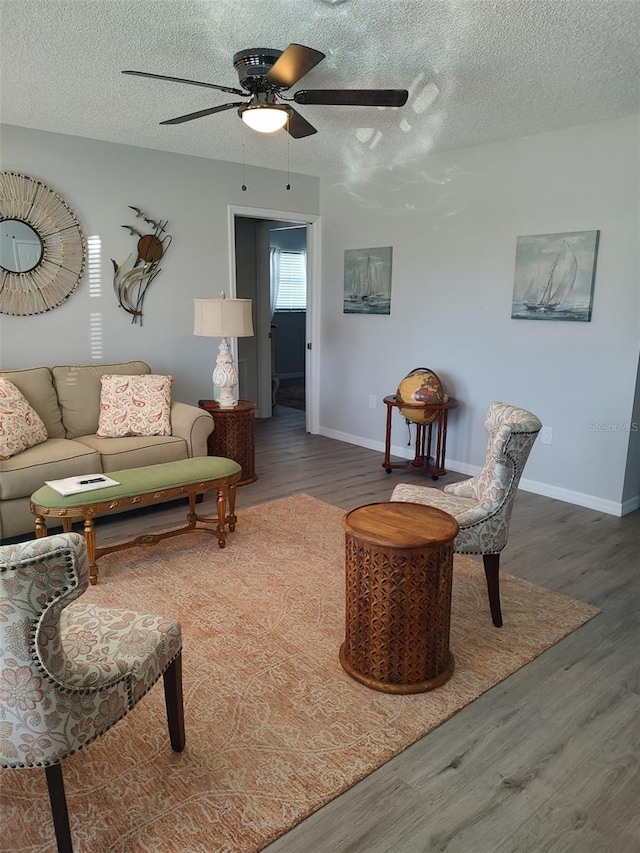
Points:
(224, 318)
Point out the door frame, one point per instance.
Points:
(312, 336)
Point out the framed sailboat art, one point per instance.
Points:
(367, 281)
(554, 276)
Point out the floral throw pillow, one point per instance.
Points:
(135, 405)
(20, 425)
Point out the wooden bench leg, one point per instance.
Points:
(90, 538)
(222, 513)
(41, 527)
(231, 517)
(191, 514)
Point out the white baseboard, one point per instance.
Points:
(571, 497)
(545, 489)
(630, 505)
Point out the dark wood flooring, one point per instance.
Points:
(546, 762)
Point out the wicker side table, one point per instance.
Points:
(399, 567)
(234, 435)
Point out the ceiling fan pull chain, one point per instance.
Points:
(244, 186)
(288, 140)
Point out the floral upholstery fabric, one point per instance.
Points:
(482, 505)
(68, 671)
(134, 405)
(20, 425)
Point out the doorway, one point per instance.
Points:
(281, 353)
(288, 279)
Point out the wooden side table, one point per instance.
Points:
(234, 435)
(422, 460)
(399, 568)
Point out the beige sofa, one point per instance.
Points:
(67, 398)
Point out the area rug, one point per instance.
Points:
(291, 393)
(275, 727)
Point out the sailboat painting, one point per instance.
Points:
(367, 281)
(554, 276)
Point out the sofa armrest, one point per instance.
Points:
(193, 424)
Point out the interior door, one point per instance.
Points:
(253, 281)
(257, 350)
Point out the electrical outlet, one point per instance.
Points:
(372, 401)
(546, 435)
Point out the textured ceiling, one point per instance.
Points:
(477, 71)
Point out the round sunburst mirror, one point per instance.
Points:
(42, 247)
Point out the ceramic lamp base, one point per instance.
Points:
(225, 376)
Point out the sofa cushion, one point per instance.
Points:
(36, 384)
(54, 459)
(135, 405)
(135, 451)
(78, 389)
(20, 425)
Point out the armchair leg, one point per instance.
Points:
(491, 570)
(55, 784)
(173, 700)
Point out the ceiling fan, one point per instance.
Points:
(265, 74)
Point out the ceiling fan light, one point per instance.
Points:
(264, 119)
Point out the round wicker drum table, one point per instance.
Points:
(399, 568)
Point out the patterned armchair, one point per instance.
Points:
(482, 505)
(68, 675)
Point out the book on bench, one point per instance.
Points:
(82, 483)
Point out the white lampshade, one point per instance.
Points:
(265, 119)
(223, 318)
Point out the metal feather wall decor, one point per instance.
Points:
(131, 281)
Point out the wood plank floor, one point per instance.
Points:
(547, 761)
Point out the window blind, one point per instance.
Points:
(292, 289)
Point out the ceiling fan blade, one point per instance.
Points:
(292, 64)
(190, 82)
(202, 113)
(297, 126)
(353, 97)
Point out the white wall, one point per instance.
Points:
(453, 220)
(98, 180)
(632, 477)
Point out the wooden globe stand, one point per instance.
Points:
(423, 461)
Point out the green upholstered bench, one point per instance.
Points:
(140, 486)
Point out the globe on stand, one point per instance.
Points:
(420, 386)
